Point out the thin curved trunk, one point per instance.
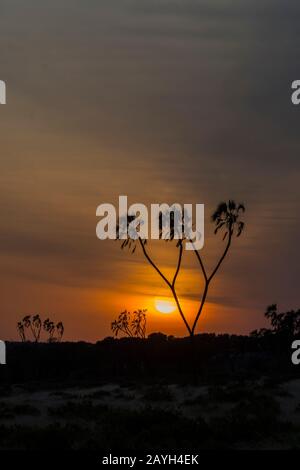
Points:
(153, 264)
(201, 306)
(208, 279)
(222, 257)
(169, 284)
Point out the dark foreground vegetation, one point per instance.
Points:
(209, 358)
(219, 391)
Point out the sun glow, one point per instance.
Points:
(165, 305)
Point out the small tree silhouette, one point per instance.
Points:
(226, 217)
(284, 323)
(21, 331)
(34, 324)
(131, 325)
(27, 322)
(49, 327)
(139, 322)
(60, 331)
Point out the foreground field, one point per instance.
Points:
(260, 414)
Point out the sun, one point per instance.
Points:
(164, 305)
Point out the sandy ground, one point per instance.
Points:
(185, 399)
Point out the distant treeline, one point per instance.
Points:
(210, 357)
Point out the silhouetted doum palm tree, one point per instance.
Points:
(226, 217)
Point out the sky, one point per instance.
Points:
(162, 101)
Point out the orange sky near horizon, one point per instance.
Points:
(87, 311)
